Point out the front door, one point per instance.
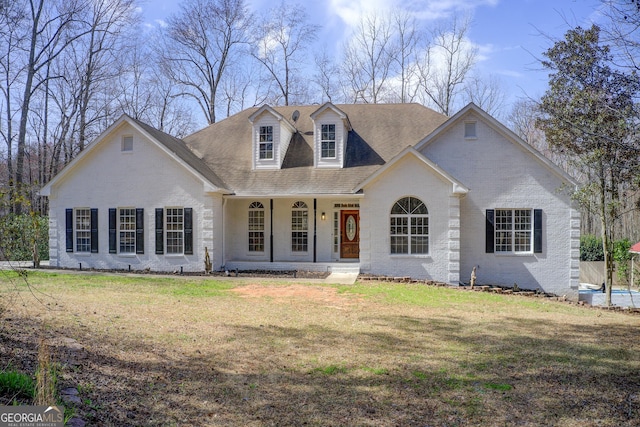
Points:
(349, 234)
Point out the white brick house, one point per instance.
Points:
(390, 189)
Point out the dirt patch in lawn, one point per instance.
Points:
(325, 295)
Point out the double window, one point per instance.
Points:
(299, 227)
(328, 141)
(409, 227)
(265, 138)
(256, 227)
(514, 231)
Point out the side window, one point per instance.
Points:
(514, 231)
(81, 230)
(174, 231)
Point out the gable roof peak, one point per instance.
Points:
(268, 109)
(339, 112)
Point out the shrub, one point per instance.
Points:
(622, 257)
(591, 248)
(18, 233)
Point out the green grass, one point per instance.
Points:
(179, 286)
(376, 353)
(16, 384)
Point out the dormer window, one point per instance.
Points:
(266, 142)
(328, 141)
(331, 128)
(270, 138)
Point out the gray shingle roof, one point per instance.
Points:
(179, 148)
(380, 131)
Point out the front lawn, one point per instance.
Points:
(204, 352)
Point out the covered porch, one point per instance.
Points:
(292, 233)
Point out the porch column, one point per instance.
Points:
(315, 222)
(271, 230)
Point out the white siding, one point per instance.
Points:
(500, 174)
(410, 177)
(281, 138)
(145, 178)
(328, 117)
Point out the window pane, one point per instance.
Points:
(409, 222)
(328, 141)
(399, 244)
(299, 227)
(83, 230)
(256, 228)
(175, 230)
(127, 226)
(513, 230)
(419, 244)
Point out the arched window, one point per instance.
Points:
(299, 227)
(409, 227)
(256, 227)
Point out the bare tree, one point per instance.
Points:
(327, 76)
(451, 58)
(198, 44)
(101, 51)
(12, 18)
(51, 30)
(368, 60)
(486, 92)
(407, 38)
(622, 31)
(280, 45)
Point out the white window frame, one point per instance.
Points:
(299, 227)
(265, 139)
(174, 230)
(513, 231)
(82, 230)
(255, 224)
(326, 140)
(127, 231)
(407, 225)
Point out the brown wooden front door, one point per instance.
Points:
(349, 234)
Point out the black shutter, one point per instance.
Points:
(94, 230)
(159, 231)
(490, 232)
(139, 230)
(112, 231)
(69, 228)
(537, 231)
(188, 231)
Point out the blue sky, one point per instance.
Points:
(509, 34)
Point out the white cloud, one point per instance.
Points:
(350, 11)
